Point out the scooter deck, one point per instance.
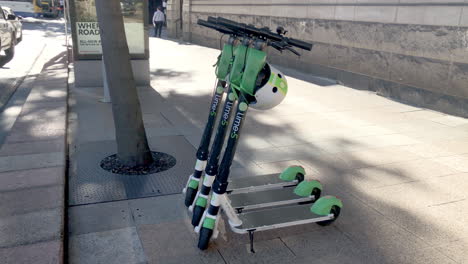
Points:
(256, 183)
(272, 218)
(266, 198)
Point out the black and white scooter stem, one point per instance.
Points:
(201, 199)
(210, 217)
(193, 182)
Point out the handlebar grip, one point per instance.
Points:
(229, 23)
(300, 44)
(212, 20)
(214, 26)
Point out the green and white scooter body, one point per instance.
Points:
(291, 176)
(304, 192)
(286, 216)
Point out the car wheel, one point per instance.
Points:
(20, 38)
(9, 53)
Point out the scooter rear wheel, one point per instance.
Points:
(190, 196)
(335, 210)
(204, 238)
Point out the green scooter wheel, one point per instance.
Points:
(316, 192)
(190, 194)
(335, 210)
(197, 214)
(204, 238)
(300, 177)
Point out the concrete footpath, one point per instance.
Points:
(401, 172)
(33, 161)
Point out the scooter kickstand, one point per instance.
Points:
(251, 237)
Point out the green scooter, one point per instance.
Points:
(222, 72)
(262, 91)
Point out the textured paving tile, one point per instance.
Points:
(115, 246)
(99, 217)
(31, 200)
(158, 210)
(91, 184)
(31, 161)
(35, 253)
(23, 179)
(31, 227)
(175, 242)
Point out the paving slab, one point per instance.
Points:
(30, 200)
(114, 246)
(32, 147)
(99, 217)
(32, 161)
(36, 134)
(456, 251)
(427, 150)
(158, 210)
(376, 157)
(35, 253)
(179, 244)
(326, 245)
(25, 179)
(457, 162)
(268, 251)
(31, 227)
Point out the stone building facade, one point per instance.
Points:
(414, 51)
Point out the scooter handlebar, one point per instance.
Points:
(263, 32)
(215, 27)
(300, 44)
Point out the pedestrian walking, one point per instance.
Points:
(158, 21)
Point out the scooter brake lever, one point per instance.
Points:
(293, 51)
(277, 46)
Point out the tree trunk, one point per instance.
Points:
(132, 144)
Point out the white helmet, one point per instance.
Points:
(271, 89)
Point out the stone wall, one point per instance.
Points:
(415, 51)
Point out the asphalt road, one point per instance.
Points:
(17, 76)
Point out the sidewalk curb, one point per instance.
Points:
(33, 167)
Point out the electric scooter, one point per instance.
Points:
(254, 91)
(265, 182)
(222, 71)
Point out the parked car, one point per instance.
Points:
(7, 38)
(17, 23)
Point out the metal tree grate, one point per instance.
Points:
(89, 183)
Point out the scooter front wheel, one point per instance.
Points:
(197, 214)
(204, 238)
(190, 194)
